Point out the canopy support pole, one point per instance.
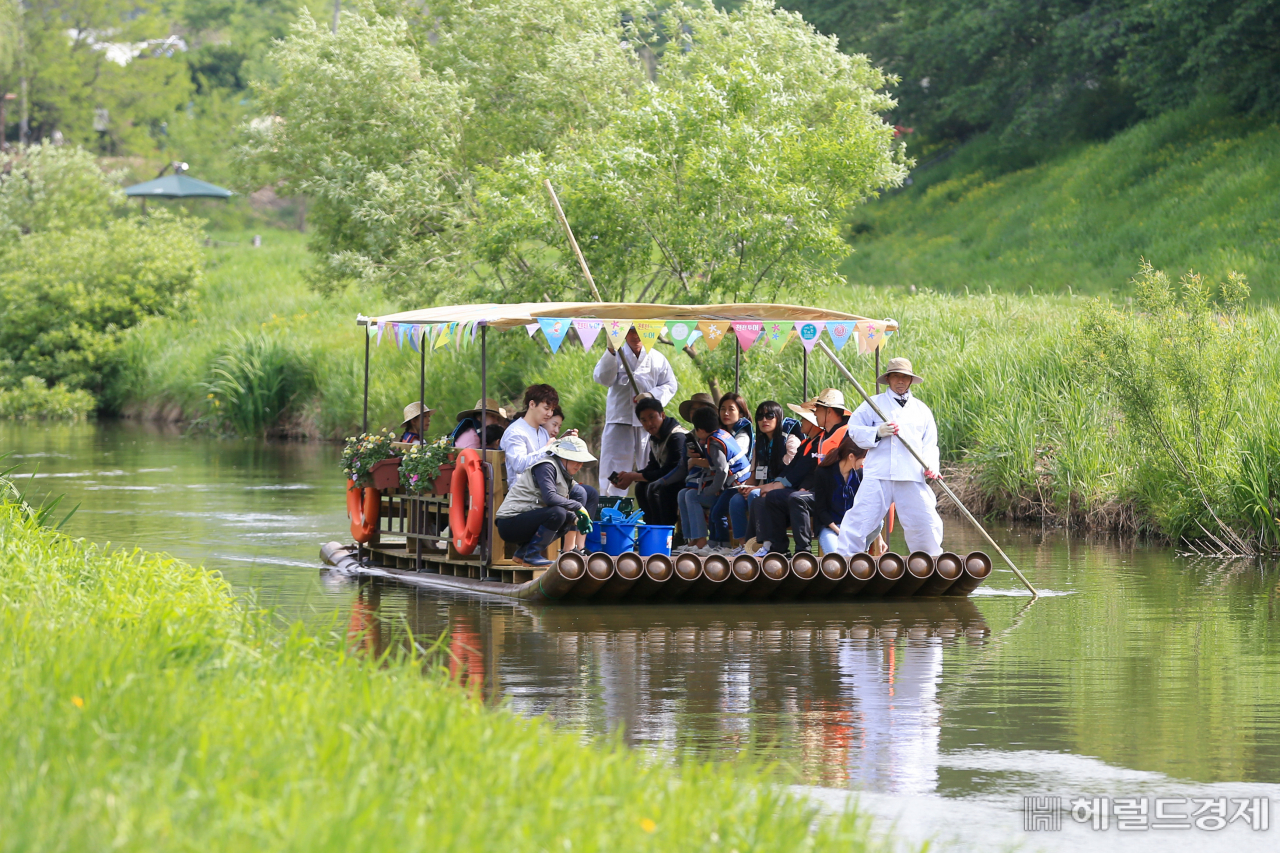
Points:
(365, 428)
(916, 453)
(877, 370)
(422, 380)
(489, 479)
(804, 395)
(737, 366)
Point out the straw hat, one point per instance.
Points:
(573, 448)
(899, 365)
(805, 411)
(487, 405)
(697, 401)
(832, 398)
(412, 410)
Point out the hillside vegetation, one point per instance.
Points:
(1193, 189)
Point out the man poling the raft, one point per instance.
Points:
(891, 474)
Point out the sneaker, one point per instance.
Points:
(763, 552)
(737, 552)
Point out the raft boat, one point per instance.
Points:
(450, 540)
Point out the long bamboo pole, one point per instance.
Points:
(912, 450)
(586, 271)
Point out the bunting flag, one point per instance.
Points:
(475, 326)
(778, 333)
(617, 332)
(693, 337)
(400, 330)
(840, 333)
(713, 332)
(381, 327)
(414, 335)
(870, 337)
(371, 329)
(747, 331)
(649, 331)
(682, 332)
(531, 328)
(588, 331)
(809, 333)
(555, 330)
(442, 335)
(459, 335)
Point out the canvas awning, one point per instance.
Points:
(522, 314)
(177, 186)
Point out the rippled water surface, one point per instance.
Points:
(1142, 676)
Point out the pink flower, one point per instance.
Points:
(413, 479)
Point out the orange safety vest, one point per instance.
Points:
(831, 443)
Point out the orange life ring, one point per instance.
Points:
(363, 506)
(466, 512)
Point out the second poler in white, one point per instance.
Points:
(891, 474)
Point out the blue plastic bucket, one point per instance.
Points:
(654, 539)
(593, 538)
(617, 539)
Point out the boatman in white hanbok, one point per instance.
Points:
(625, 445)
(891, 474)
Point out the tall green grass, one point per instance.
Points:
(1197, 188)
(143, 708)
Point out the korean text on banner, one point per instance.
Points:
(649, 331)
(588, 331)
(748, 331)
(809, 333)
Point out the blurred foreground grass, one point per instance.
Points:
(143, 708)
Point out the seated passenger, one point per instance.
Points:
(417, 419)
(710, 453)
(777, 440)
(467, 432)
(659, 483)
(539, 507)
(734, 421)
(835, 484)
(557, 421)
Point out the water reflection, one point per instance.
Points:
(839, 697)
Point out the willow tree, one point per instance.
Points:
(699, 153)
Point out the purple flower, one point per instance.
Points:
(413, 479)
(357, 463)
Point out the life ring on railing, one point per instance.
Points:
(466, 512)
(363, 506)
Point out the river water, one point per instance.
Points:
(1144, 687)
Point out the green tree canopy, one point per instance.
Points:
(699, 152)
(53, 188)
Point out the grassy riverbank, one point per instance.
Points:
(143, 708)
(1196, 188)
(1026, 436)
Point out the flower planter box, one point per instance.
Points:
(386, 474)
(440, 485)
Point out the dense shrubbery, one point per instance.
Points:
(65, 298)
(33, 400)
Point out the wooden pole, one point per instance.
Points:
(912, 450)
(586, 272)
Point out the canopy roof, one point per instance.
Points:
(522, 314)
(177, 186)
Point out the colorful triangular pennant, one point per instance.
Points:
(617, 332)
(531, 328)
(870, 337)
(555, 330)
(778, 332)
(681, 332)
(809, 332)
(415, 333)
(649, 331)
(840, 332)
(713, 332)
(588, 331)
(747, 331)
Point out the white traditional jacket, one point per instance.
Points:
(653, 374)
(887, 459)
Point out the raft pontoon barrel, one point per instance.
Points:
(977, 566)
(796, 580)
(889, 570)
(946, 569)
(627, 569)
(657, 572)
(919, 568)
(861, 569)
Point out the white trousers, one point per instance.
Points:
(622, 448)
(917, 512)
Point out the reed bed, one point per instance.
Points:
(142, 707)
